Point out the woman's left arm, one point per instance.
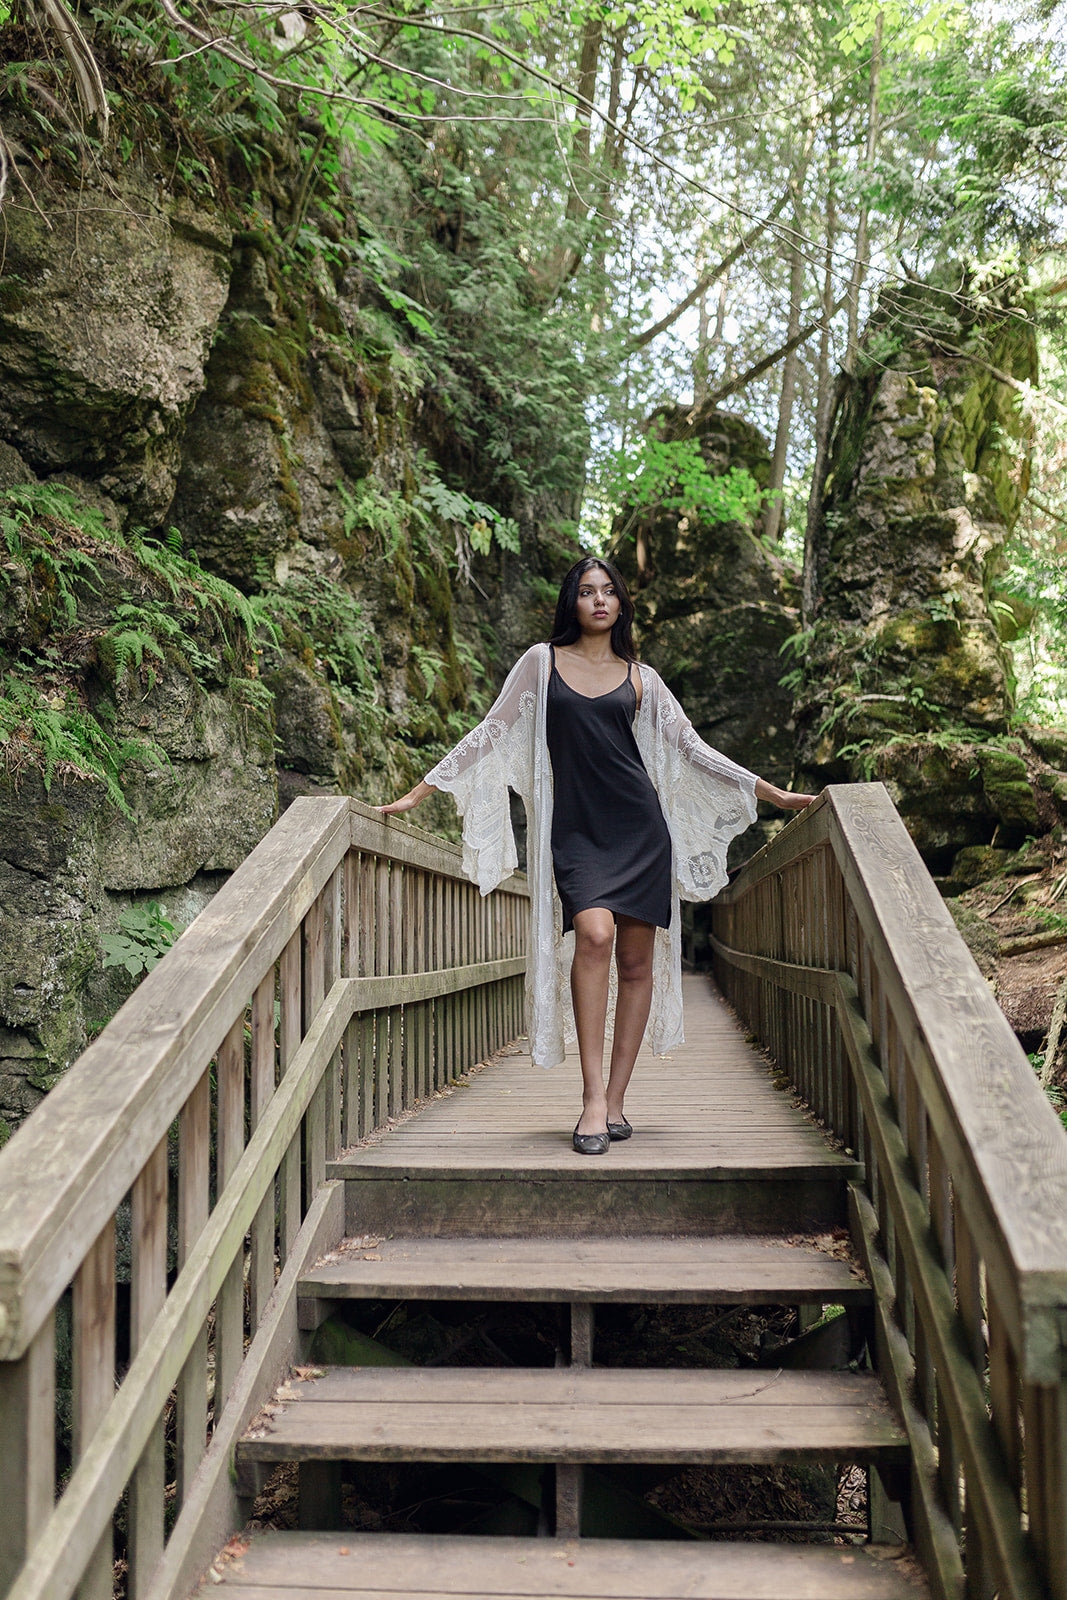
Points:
(784, 798)
(677, 729)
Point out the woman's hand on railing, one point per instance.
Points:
(407, 802)
(785, 799)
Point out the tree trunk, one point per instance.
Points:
(823, 403)
(772, 516)
(863, 244)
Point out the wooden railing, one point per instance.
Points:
(344, 971)
(835, 947)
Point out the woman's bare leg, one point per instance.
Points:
(634, 942)
(594, 935)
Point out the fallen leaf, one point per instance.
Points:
(372, 1257)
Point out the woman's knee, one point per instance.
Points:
(634, 966)
(594, 936)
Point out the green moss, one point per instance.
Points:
(6, 1130)
(1007, 787)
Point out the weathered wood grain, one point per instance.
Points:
(261, 1088)
(212, 1509)
(935, 1535)
(654, 1269)
(405, 1566)
(230, 1133)
(93, 1319)
(63, 1175)
(27, 1449)
(115, 1447)
(576, 1414)
(998, 1527)
(194, 1153)
(149, 1290)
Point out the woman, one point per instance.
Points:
(627, 809)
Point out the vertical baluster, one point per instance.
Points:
(463, 957)
(397, 1041)
(459, 900)
(437, 962)
(289, 1036)
(948, 1471)
(27, 1449)
(368, 1055)
(969, 1303)
(496, 953)
(1045, 1420)
(350, 1074)
(471, 995)
(820, 891)
(383, 1019)
(844, 1109)
(261, 1088)
(314, 992)
(1004, 1397)
(969, 1291)
(94, 1380)
(412, 1029)
(332, 972)
(426, 963)
(443, 1007)
(230, 1305)
(482, 992)
(194, 1138)
(807, 1005)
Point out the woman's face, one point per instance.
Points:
(598, 604)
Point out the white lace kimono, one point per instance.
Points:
(706, 800)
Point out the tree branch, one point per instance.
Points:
(775, 356)
(82, 62)
(640, 340)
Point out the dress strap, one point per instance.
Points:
(552, 656)
(629, 670)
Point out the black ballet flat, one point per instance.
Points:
(619, 1130)
(590, 1144)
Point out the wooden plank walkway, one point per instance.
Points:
(712, 1103)
(710, 1127)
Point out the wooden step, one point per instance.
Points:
(573, 1415)
(652, 1269)
(332, 1566)
(489, 1199)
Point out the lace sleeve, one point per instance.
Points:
(706, 797)
(493, 757)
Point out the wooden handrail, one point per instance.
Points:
(836, 947)
(345, 970)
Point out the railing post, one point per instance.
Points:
(27, 1449)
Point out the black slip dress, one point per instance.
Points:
(610, 843)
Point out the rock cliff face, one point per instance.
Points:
(714, 606)
(184, 380)
(906, 678)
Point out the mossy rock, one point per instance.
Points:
(979, 863)
(980, 936)
(1050, 744)
(1007, 787)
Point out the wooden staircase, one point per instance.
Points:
(172, 1222)
(722, 1213)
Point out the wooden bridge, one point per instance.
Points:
(173, 1223)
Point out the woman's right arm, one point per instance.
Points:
(409, 801)
(481, 753)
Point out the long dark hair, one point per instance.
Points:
(565, 629)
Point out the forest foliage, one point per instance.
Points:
(569, 214)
